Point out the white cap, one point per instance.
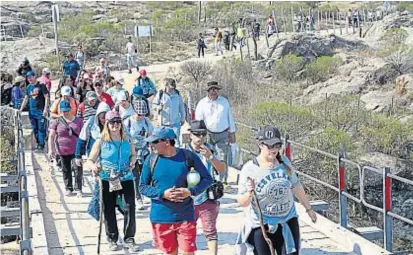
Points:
(66, 91)
(46, 71)
(121, 97)
(121, 81)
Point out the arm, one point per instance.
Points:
(25, 100)
(145, 187)
(206, 178)
(219, 165)
(299, 192)
(47, 103)
(54, 109)
(133, 155)
(95, 152)
(231, 125)
(244, 197)
(152, 88)
(83, 138)
(198, 111)
(51, 145)
(182, 111)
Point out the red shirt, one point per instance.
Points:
(105, 97)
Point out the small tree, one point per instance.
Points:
(395, 36)
(197, 71)
(399, 56)
(322, 68)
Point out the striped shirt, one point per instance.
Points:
(85, 111)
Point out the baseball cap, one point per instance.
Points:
(91, 95)
(138, 92)
(161, 132)
(65, 106)
(142, 72)
(19, 79)
(269, 135)
(30, 73)
(140, 107)
(121, 81)
(198, 127)
(112, 116)
(46, 71)
(69, 54)
(66, 91)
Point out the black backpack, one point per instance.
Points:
(153, 159)
(6, 95)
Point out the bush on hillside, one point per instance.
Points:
(296, 121)
(322, 68)
(344, 113)
(395, 36)
(286, 68)
(197, 71)
(388, 135)
(399, 56)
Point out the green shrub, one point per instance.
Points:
(287, 67)
(395, 36)
(345, 113)
(405, 6)
(331, 140)
(387, 135)
(322, 68)
(296, 121)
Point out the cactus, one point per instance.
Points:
(401, 86)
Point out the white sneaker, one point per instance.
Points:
(68, 193)
(79, 193)
(139, 205)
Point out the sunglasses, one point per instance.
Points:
(199, 134)
(158, 141)
(277, 146)
(97, 86)
(115, 122)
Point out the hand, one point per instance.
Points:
(78, 161)
(45, 113)
(250, 185)
(132, 164)
(168, 194)
(312, 215)
(51, 155)
(180, 194)
(205, 151)
(232, 138)
(95, 168)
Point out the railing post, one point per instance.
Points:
(287, 146)
(342, 187)
(387, 205)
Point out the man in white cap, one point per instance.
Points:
(131, 51)
(123, 106)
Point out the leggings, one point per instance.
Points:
(257, 240)
(66, 161)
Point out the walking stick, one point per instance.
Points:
(264, 231)
(100, 212)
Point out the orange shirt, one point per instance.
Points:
(56, 106)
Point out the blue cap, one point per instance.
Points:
(138, 92)
(159, 133)
(30, 73)
(65, 106)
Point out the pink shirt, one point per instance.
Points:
(46, 81)
(66, 139)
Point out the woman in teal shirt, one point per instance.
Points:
(117, 157)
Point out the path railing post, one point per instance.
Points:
(287, 147)
(342, 188)
(387, 205)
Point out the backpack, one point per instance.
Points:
(6, 95)
(153, 159)
(132, 98)
(129, 122)
(226, 38)
(256, 27)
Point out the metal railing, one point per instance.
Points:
(342, 162)
(25, 241)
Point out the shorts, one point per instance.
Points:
(170, 237)
(208, 213)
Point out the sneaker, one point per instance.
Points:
(139, 205)
(131, 245)
(227, 187)
(79, 193)
(68, 193)
(130, 71)
(113, 246)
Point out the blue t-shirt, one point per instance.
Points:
(71, 68)
(36, 93)
(169, 172)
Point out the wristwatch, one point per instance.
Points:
(211, 157)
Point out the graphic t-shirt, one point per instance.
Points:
(66, 135)
(273, 189)
(36, 93)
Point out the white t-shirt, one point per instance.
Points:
(131, 48)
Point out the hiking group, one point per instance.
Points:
(94, 118)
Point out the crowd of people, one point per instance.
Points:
(94, 123)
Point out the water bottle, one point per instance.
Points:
(193, 178)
